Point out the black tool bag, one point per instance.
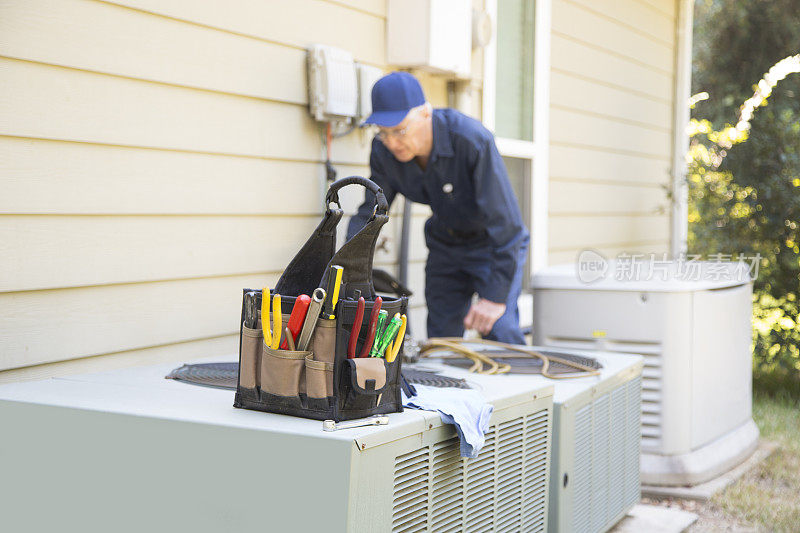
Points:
(322, 383)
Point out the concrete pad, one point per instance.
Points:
(704, 463)
(655, 519)
(704, 491)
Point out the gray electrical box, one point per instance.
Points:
(332, 84)
(367, 76)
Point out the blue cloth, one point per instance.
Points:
(464, 408)
(476, 232)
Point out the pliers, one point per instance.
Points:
(373, 324)
(351, 345)
(273, 338)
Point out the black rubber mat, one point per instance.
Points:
(215, 375)
(225, 376)
(432, 379)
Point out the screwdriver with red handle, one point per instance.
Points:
(296, 318)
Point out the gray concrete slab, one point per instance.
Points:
(704, 491)
(655, 519)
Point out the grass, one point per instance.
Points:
(768, 497)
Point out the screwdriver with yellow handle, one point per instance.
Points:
(334, 284)
(277, 321)
(265, 301)
(394, 349)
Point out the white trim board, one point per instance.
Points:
(540, 186)
(679, 230)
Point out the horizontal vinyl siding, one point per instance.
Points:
(577, 231)
(215, 349)
(41, 101)
(54, 325)
(611, 126)
(582, 197)
(658, 248)
(298, 23)
(157, 157)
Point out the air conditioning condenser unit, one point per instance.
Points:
(594, 473)
(130, 451)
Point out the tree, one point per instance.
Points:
(745, 183)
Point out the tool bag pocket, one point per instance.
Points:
(319, 378)
(252, 342)
(367, 375)
(357, 397)
(323, 341)
(370, 386)
(282, 372)
(318, 383)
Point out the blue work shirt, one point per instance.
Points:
(466, 185)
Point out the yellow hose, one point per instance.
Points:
(456, 345)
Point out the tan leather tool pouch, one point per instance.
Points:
(282, 371)
(367, 375)
(319, 378)
(252, 341)
(323, 342)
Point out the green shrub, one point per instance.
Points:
(744, 179)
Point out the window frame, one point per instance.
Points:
(536, 151)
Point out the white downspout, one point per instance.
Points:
(540, 185)
(683, 85)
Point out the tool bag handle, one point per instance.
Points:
(382, 207)
(309, 268)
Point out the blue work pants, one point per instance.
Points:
(452, 276)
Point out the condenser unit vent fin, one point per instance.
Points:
(410, 505)
(606, 477)
(503, 489)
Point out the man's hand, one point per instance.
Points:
(483, 314)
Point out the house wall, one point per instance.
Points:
(612, 91)
(156, 157)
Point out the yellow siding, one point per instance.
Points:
(657, 248)
(579, 197)
(82, 178)
(611, 126)
(577, 231)
(156, 157)
(298, 23)
(142, 46)
(216, 349)
(55, 325)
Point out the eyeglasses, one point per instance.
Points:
(385, 135)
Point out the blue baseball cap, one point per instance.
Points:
(393, 96)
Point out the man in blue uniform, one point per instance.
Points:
(476, 239)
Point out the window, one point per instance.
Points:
(514, 60)
(515, 106)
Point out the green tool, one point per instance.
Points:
(379, 329)
(388, 335)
